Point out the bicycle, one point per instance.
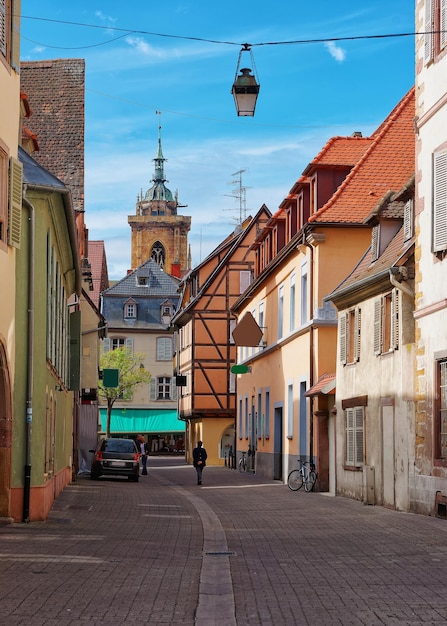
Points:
(304, 475)
(243, 465)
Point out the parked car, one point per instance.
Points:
(116, 457)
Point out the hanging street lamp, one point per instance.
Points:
(245, 88)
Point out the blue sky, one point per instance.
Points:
(309, 93)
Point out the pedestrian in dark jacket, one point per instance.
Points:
(199, 457)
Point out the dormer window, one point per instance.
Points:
(130, 309)
(167, 311)
(142, 281)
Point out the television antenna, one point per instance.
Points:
(240, 195)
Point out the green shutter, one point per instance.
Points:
(75, 351)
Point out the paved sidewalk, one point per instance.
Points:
(237, 550)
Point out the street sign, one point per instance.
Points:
(110, 377)
(240, 369)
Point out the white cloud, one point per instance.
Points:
(335, 51)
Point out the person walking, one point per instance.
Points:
(143, 451)
(199, 457)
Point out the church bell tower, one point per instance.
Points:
(158, 231)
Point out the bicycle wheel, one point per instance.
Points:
(310, 481)
(295, 480)
(242, 465)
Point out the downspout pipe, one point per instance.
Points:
(30, 363)
(304, 242)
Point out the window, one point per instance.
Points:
(259, 428)
(435, 37)
(110, 343)
(280, 311)
(158, 253)
(354, 436)
(130, 310)
(349, 336)
(261, 323)
(386, 323)
(161, 388)
(440, 201)
(304, 305)
(164, 349)
(290, 410)
(292, 303)
(244, 280)
(267, 414)
(441, 411)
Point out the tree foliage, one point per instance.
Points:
(131, 374)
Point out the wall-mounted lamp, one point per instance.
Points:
(245, 88)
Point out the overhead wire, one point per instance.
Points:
(131, 31)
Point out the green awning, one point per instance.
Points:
(144, 421)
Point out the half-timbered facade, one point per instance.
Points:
(205, 349)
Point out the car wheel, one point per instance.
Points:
(135, 478)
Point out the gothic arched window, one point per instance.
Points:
(158, 253)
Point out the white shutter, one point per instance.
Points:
(106, 344)
(377, 326)
(440, 202)
(128, 342)
(394, 319)
(15, 202)
(443, 23)
(343, 322)
(359, 436)
(153, 389)
(350, 436)
(375, 243)
(408, 219)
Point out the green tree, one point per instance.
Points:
(131, 374)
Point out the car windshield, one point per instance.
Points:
(118, 445)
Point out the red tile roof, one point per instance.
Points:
(386, 165)
(340, 151)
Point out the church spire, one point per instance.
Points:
(159, 191)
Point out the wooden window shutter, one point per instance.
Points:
(443, 24)
(3, 28)
(75, 351)
(378, 326)
(15, 35)
(428, 28)
(359, 447)
(408, 220)
(394, 319)
(357, 335)
(440, 202)
(15, 202)
(343, 323)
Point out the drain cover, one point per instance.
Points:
(221, 553)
